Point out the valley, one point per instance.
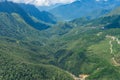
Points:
(49, 45)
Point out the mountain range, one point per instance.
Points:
(34, 46)
(90, 9)
(47, 8)
(40, 15)
(25, 11)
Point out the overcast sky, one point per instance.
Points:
(43, 2)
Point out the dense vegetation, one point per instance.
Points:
(18, 62)
(10, 7)
(81, 46)
(84, 48)
(40, 15)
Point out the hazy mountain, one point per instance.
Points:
(115, 11)
(10, 8)
(40, 15)
(47, 8)
(84, 8)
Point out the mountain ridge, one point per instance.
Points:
(64, 51)
(15, 8)
(84, 8)
(40, 15)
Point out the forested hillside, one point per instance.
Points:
(10, 7)
(32, 48)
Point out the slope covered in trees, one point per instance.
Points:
(10, 7)
(79, 47)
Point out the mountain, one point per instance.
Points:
(84, 8)
(107, 22)
(78, 49)
(47, 8)
(40, 15)
(12, 25)
(83, 47)
(115, 11)
(23, 50)
(10, 7)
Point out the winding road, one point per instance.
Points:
(115, 63)
(113, 38)
(111, 47)
(84, 76)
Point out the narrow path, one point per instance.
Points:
(117, 41)
(113, 38)
(115, 63)
(111, 48)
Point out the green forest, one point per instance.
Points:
(33, 48)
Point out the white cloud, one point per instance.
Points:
(43, 2)
(102, 0)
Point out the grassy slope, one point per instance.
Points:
(19, 61)
(78, 49)
(23, 51)
(85, 49)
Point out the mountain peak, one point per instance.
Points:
(84, 8)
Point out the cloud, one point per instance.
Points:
(42, 2)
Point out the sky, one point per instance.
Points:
(42, 2)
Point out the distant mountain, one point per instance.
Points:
(40, 15)
(47, 8)
(106, 22)
(10, 7)
(115, 11)
(84, 8)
